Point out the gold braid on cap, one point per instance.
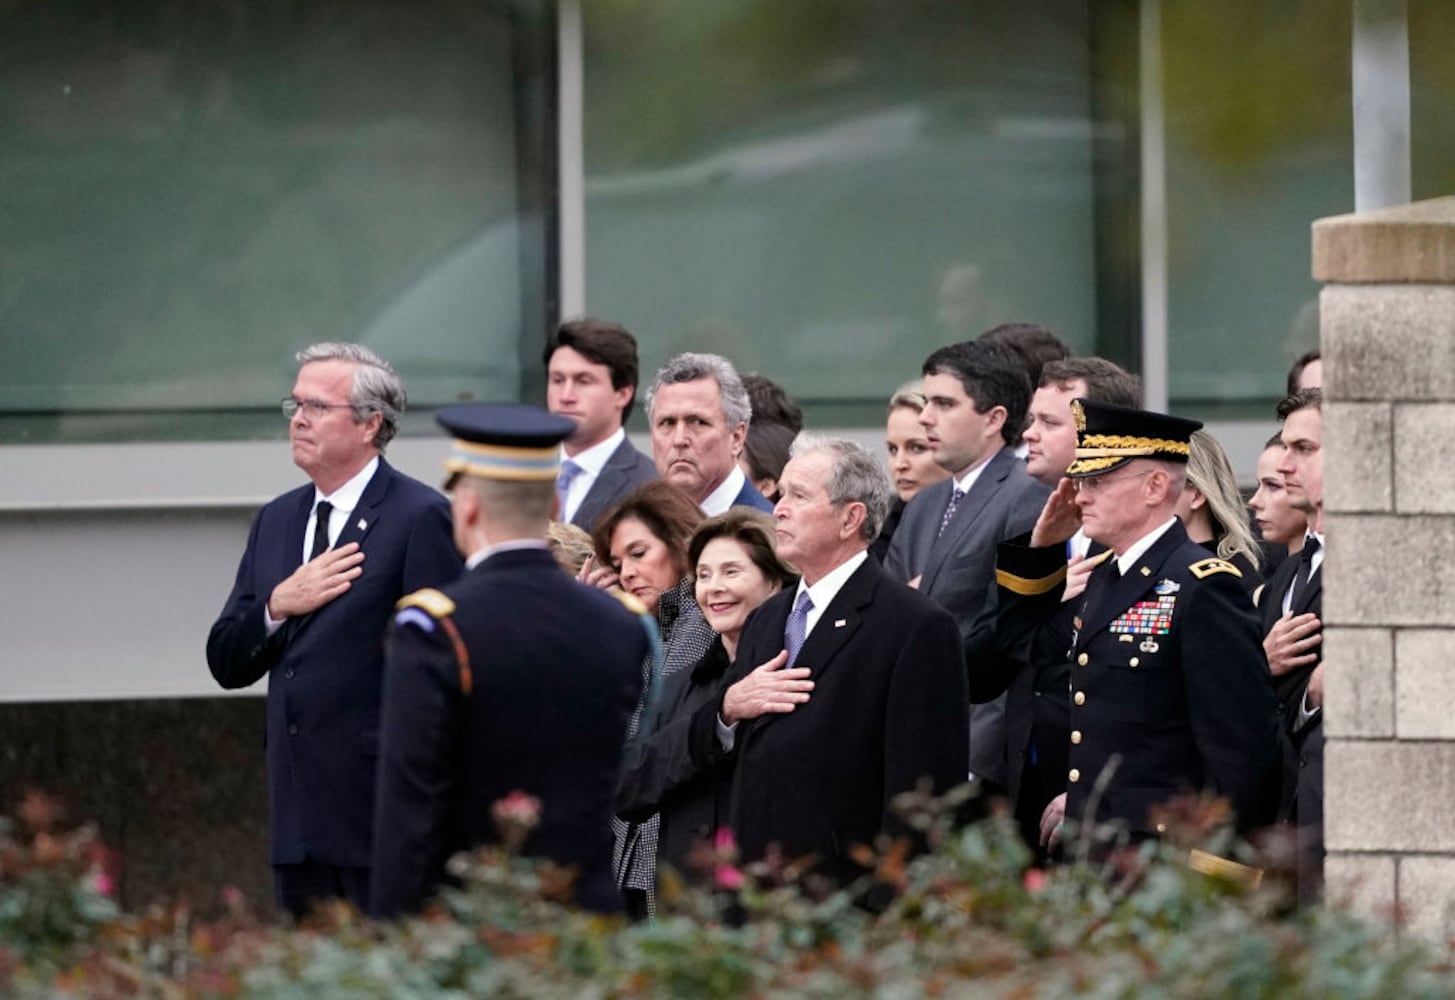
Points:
(1093, 445)
(1083, 466)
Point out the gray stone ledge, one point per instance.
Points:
(1410, 243)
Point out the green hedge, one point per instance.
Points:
(967, 919)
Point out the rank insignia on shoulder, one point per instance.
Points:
(631, 602)
(1204, 568)
(434, 603)
(1168, 587)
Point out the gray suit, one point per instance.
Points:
(623, 472)
(957, 569)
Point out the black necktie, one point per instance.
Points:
(320, 529)
(1305, 570)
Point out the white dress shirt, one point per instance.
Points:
(590, 461)
(344, 500)
(821, 594)
(720, 499)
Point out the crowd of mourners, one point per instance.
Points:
(1039, 587)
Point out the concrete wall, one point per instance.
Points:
(1388, 333)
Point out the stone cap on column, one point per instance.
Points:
(1408, 244)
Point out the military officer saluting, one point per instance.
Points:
(1170, 692)
(513, 678)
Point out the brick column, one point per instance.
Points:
(1388, 336)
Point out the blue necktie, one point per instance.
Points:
(797, 628)
(955, 499)
(569, 471)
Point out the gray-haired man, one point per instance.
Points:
(699, 413)
(314, 592)
(820, 764)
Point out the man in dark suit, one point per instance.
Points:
(883, 707)
(591, 377)
(1293, 636)
(1036, 680)
(699, 412)
(314, 592)
(976, 396)
(1170, 693)
(513, 679)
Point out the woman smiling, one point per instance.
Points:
(736, 569)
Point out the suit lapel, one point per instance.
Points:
(986, 485)
(613, 474)
(362, 520)
(1311, 593)
(835, 627)
(293, 537)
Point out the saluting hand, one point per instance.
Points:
(316, 582)
(767, 689)
(1060, 518)
(1290, 642)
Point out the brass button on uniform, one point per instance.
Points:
(1075, 736)
(1082, 659)
(1074, 776)
(1080, 698)
(1136, 662)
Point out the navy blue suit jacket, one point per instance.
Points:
(326, 668)
(889, 708)
(513, 678)
(749, 496)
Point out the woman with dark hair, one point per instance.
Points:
(736, 568)
(765, 453)
(641, 545)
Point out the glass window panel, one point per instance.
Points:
(1259, 145)
(827, 191)
(188, 195)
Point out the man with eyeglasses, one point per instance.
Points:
(1170, 693)
(314, 593)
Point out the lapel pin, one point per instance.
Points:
(841, 622)
(1146, 571)
(363, 524)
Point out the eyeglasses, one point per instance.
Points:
(1093, 484)
(313, 408)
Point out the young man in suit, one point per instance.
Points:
(976, 396)
(1170, 693)
(591, 377)
(699, 412)
(847, 690)
(513, 679)
(314, 592)
(1293, 635)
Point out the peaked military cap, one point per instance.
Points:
(1109, 436)
(502, 441)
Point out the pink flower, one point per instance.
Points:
(104, 884)
(1035, 880)
(724, 842)
(728, 877)
(518, 808)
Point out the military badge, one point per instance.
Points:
(1147, 617)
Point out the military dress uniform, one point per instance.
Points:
(1170, 691)
(514, 678)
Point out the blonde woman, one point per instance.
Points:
(1211, 508)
